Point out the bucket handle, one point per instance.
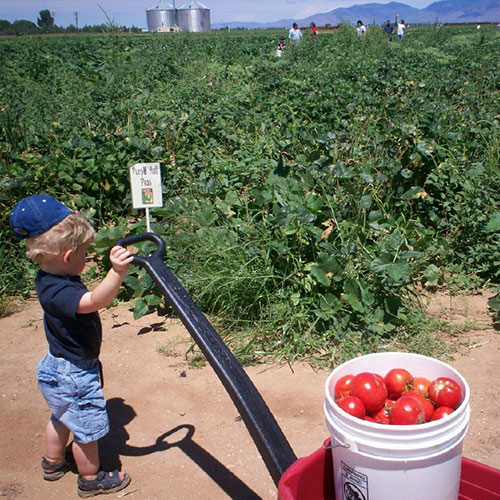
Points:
(331, 446)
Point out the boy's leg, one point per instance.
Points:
(56, 439)
(55, 463)
(86, 458)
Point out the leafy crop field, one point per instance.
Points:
(308, 199)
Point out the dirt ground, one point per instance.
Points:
(175, 428)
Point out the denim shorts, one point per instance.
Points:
(74, 395)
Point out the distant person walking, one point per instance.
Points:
(314, 32)
(389, 29)
(360, 28)
(401, 29)
(295, 34)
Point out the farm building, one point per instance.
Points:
(192, 16)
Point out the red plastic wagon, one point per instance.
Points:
(311, 478)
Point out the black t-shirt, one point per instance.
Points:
(70, 335)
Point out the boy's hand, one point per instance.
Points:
(120, 259)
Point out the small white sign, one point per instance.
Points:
(145, 184)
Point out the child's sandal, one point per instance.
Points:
(104, 483)
(53, 472)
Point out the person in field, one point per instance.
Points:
(389, 29)
(360, 28)
(69, 375)
(314, 32)
(295, 35)
(401, 29)
(281, 47)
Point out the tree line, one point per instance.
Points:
(45, 24)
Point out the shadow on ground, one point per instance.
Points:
(115, 444)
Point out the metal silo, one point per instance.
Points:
(161, 17)
(194, 16)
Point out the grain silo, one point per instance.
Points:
(193, 16)
(161, 17)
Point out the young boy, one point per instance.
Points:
(69, 374)
(281, 46)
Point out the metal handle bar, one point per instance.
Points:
(265, 431)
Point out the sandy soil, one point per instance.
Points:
(174, 427)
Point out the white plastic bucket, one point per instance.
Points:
(372, 461)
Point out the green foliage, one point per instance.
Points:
(306, 196)
(23, 27)
(45, 21)
(45, 24)
(6, 28)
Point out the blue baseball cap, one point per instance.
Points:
(36, 214)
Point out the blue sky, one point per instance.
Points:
(133, 12)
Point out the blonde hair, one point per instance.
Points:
(69, 234)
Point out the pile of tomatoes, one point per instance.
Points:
(398, 398)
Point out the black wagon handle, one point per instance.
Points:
(262, 426)
(138, 238)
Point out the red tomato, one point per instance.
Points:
(407, 410)
(421, 384)
(370, 388)
(370, 419)
(343, 386)
(352, 405)
(428, 406)
(382, 416)
(444, 391)
(397, 381)
(441, 412)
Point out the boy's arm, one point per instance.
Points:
(104, 293)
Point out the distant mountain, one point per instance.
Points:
(446, 11)
(369, 13)
(456, 11)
